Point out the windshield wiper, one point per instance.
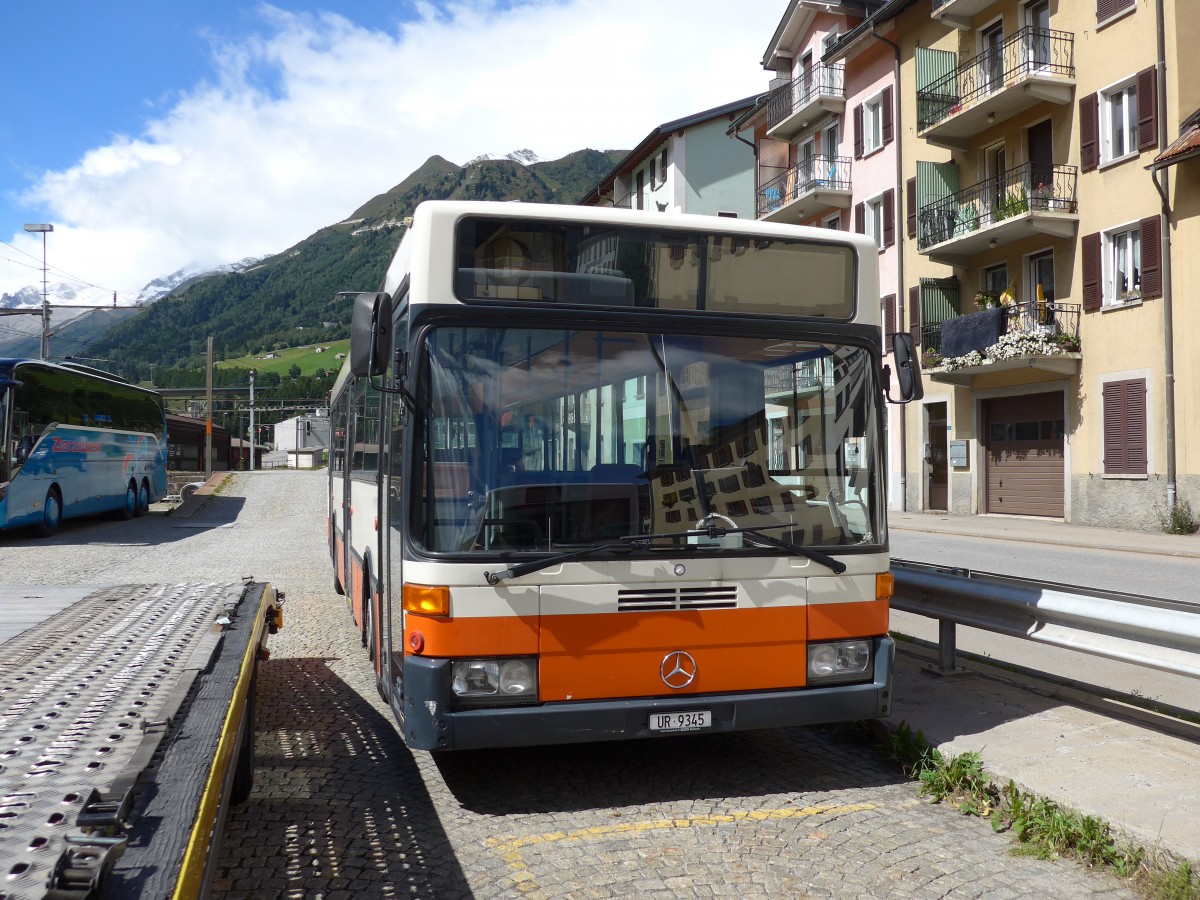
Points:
(643, 541)
(536, 565)
(714, 532)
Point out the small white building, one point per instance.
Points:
(305, 439)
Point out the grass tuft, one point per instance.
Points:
(1045, 829)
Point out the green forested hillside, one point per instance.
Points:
(291, 299)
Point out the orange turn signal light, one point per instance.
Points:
(425, 600)
(885, 586)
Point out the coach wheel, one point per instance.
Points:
(129, 508)
(51, 514)
(143, 499)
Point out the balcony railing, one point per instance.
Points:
(823, 81)
(1031, 188)
(1056, 321)
(816, 173)
(1031, 51)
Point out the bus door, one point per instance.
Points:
(392, 526)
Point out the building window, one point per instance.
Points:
(1122, 266)
(994, 279)
(873, 226)
(1108, 9)
(834, 222)
(1118, 121)
(873, 124)
(1125, 427)
(662, 166)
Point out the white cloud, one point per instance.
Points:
(307, 120)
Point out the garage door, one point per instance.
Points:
(1024, 454)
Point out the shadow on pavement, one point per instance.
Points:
(152, 529)
(338, 805)
(576, 777)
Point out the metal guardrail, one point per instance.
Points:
(1147, 631)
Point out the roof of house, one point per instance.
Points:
(650, 143)
(1186, 146)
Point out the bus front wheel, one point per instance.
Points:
(51, 514)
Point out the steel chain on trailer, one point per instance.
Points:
(86, 698)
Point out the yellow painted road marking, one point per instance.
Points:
(510, 848)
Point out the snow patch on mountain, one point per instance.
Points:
(65, 294)
(525, 157)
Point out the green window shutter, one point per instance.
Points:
(937, 85)
(936, 183)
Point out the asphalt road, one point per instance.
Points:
(341, 808)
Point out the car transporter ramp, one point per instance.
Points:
(126, 731)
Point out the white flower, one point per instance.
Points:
(1014, 345)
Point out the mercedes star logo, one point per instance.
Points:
(678, 670)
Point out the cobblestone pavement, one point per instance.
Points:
(342, 809)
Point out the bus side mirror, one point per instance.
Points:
(370, 334)
(908, 375)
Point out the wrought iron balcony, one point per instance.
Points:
(1032, 334)
(1033, 65)
(1036, 196)
(813, 184)
(792, 107)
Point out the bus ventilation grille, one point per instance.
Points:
(677, 598)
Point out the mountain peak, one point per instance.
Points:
(525, 157)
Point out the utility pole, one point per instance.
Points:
(44, 229)
(253, 433)
(208, 413)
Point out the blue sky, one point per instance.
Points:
(159, 135)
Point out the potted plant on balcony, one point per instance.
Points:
(987, 300)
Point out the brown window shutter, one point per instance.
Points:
(889, 315)
(1114, 428)
(887, 130)
(1089, 132)
(1125, 427)
(910, 191)
(1104, 9)
(1151, 251)
(1092, 271)
(858, 131)
(860, 218)
(914, 313)
(889, 217)
(1147, 104)
(1135, 426)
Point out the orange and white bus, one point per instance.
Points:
(603, 474)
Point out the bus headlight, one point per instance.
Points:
(495, 680)
(840, 661)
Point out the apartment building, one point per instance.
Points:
(686, 165)
(826, 143)
(1040, 281)
(1030, 171)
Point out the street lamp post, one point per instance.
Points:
(44, 229)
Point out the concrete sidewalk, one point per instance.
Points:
(1136, 770)
(1048, 531)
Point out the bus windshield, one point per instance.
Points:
(537, 439)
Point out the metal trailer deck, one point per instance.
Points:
(126, 729)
